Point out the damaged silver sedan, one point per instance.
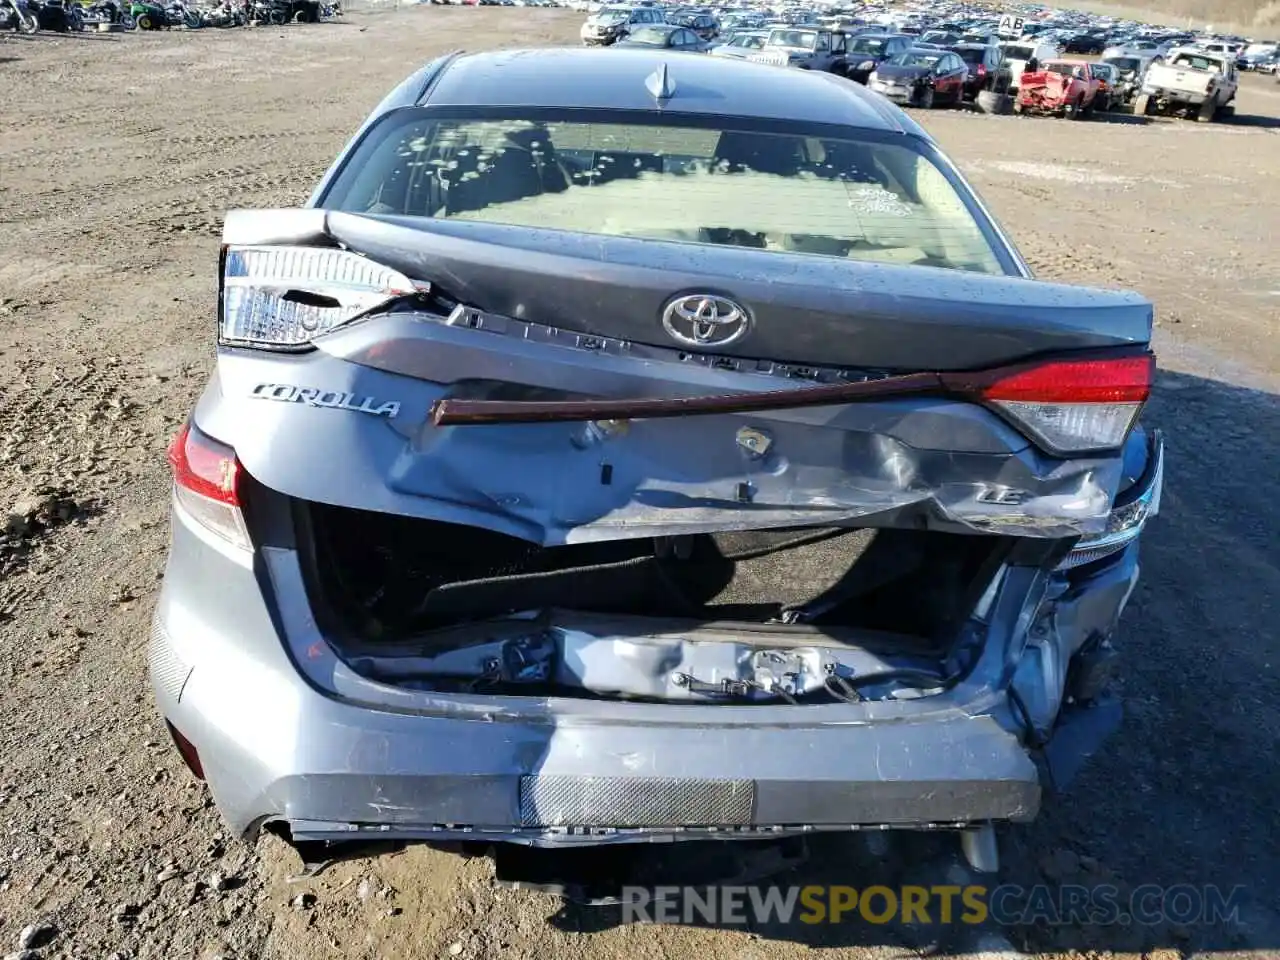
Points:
(619, 449)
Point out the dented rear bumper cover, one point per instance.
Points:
(306, 743)
(290, 734)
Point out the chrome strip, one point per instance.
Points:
(472, 319)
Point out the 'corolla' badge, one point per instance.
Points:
(331, 399)
(705, 320)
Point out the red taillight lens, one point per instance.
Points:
(204, 466)
(982, 71)
(1071, 406)
(1109, 380)
(207, 481)
(187, 749)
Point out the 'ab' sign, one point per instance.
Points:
(1010, 25)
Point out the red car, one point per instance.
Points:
(1067, 88)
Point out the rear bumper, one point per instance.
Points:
(335, 771)
(241, 679)
(288, 733)
(1030, 99)
(1189, 97)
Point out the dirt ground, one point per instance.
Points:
(118, 157)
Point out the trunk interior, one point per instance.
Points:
(381, 579)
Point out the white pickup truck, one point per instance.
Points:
(1190, 81)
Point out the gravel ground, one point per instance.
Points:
(118, 157)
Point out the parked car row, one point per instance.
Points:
(940, 58)
(68, 16)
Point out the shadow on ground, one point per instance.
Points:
(89, 35)
(1255, 120)
(1182, 797)
(1118, 117)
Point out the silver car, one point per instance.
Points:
(741, 44)
(622, 447)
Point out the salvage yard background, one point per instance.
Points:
(118, 158)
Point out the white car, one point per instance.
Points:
(1151, 49)
(740, 44)
(1256, 54)
(1018, 52)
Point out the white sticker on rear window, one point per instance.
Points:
(873, 198)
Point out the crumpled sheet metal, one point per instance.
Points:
(565, 483)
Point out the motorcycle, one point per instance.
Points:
(16, 15)
(178, 14)
(225, 14)
(58, 16)
(279, 12)
(264, 11)
(109, 11)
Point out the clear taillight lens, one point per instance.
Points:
(1074, 406)
(287, 296)
(206, 483)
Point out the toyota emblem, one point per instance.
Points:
(705, 320)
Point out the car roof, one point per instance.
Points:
(612, 79)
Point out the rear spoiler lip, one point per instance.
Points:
(963, 385)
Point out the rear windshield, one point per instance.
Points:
(863, 45)
(1018, 52)
(1196, 63)
(849, 198)
(1124, 63)
(970, 55)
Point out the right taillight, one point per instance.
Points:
(206, 483)
(1071, 406)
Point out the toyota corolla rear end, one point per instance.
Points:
(574, 475)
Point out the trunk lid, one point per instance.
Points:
(820, 311)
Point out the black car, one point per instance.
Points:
(667, 36)
(866, 51)
(1090, 44)
(922, 77)
(943, 38)
(703, 24)
(986, 68)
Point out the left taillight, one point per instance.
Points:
(208, 482)
(1073, 406)
(284, 297)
